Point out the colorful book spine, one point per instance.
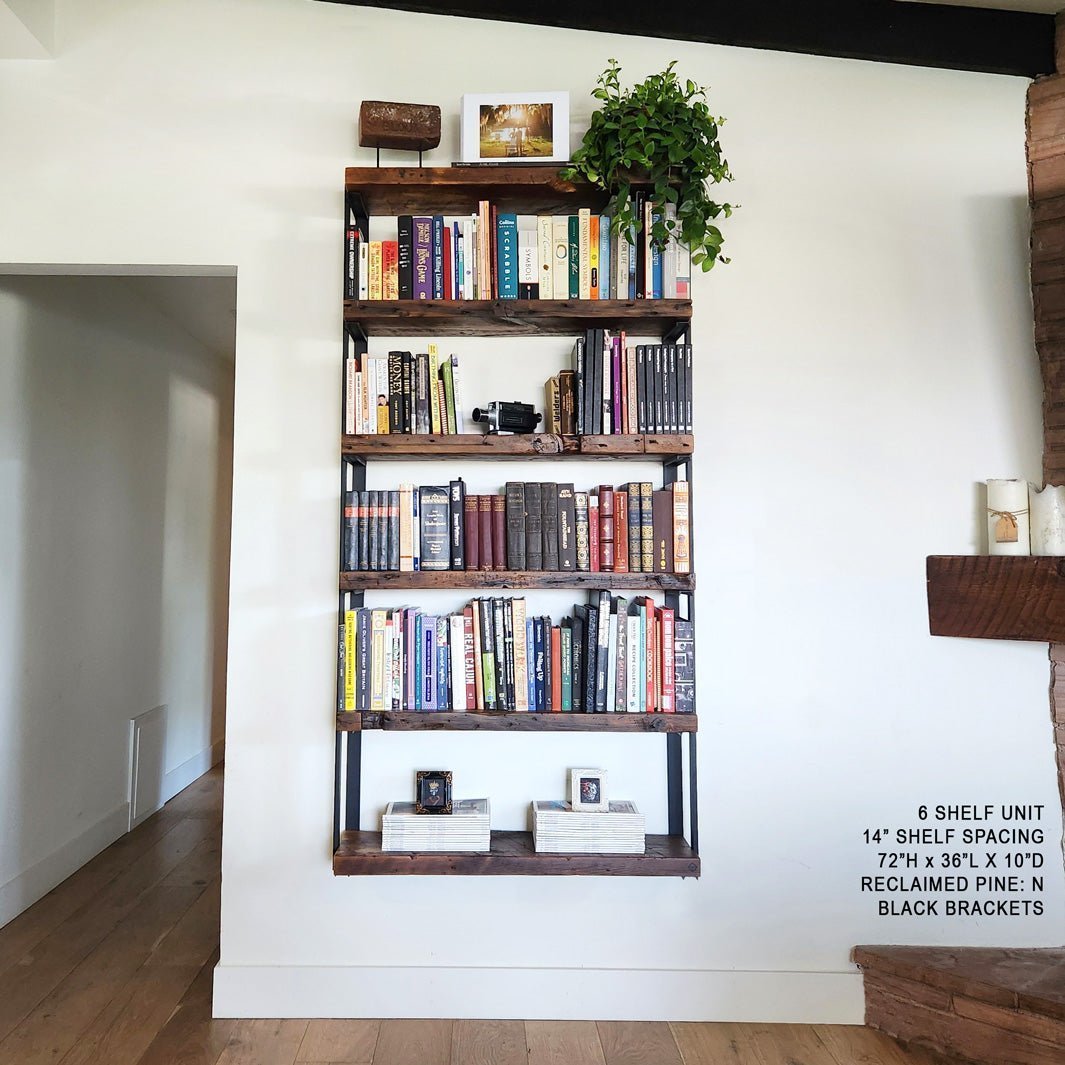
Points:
(423, 258)
(507, 255)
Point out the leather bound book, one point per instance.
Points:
(567, 396)
(373, 562)
(434, 510)
(647, 536)
(484, 514)
(473, 532)
(662, 526)
(580, 529)
(606, 528)
(393, 530)
(567, 529)
(549, 525)
(534, 544)
(681, 527)
(635, 549)
(515, 512)
(364, 530)
(621, 532)
(351, 531)
(499, 532)
(457, 522)
(593, 532)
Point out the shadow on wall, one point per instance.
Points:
(116, 474)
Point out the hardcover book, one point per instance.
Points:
(567, 529)
(434, 507)
(549, 525)
(662, 526)
(684, 666)
(533, 527)
(499, 532)
(405, 261)
(457, 519)
(423, 258)
(515, 512)
(507, 252)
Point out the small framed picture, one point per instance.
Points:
(515, 127)
(587, 789)
(433, 791)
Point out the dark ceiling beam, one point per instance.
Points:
(887, 31)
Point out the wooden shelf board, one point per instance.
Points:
(512, 854)
(997, 597)
(514, 580)
(399, 318)
(453, 190)
(420, 446)
(512, 721)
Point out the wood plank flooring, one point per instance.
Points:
(114, 967)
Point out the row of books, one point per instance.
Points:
(611, 655)
(614, 387)
(403, 392)
(497, 255)
(533, 525)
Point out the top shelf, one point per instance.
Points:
(396, 190)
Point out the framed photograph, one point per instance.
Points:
(587, 790)
(515, 127)
(433, 791)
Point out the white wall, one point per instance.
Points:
(114, 430)
(864, 361)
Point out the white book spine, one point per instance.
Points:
(349, 394)
(416, 531)
(632, 674)
(360, 421)
(380, 389)
(608, 383)
(364, 269)
(670, 256)
(469, 243)
(521, 656)
(584, 254)
(406, 532)
(457, 663)
(560, 257)
(527, 274)
(544, 257)
(648, 267)
(456, 389)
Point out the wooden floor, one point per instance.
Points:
(114, 968)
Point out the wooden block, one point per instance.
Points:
(910, 990)
(412, 127)
(1025, 1022)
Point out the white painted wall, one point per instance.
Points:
(114, 436)
(864, 361)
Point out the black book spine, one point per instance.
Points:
(395, 391)
(658, 420)
(407, 390)
(351, 531)
(578, 381)
(538, 662)
(673, 378)
(422, 422)
(458, 524)
(533, 527)
(375, 531)
(500, 635)
(567, 529)
(591, 655)
(515, 518)
(595, 395)
(382, 530)
(587, 410)
(405, 261)
(640, 198)
(393, 530)
(508, 650)
(364, 530)
(549, 525)
(352, 236)
(684, 666)
(434, 509)
(688, 420)
(577, 644)
(682, 392)
(488, 647)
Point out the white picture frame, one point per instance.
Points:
(491, 135)
(587, 790)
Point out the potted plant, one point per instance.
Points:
(659, 134)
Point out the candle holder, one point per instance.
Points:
(1047, 516)
(1008, 518)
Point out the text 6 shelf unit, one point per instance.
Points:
(523, 190)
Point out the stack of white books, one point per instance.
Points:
(464, 829)
(558, 829)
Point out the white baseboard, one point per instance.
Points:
(179, 778)
(34, 883)
(538, 994)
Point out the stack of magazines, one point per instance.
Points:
(464, 829)
(558, 829)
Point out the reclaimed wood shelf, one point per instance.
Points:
(420, 446)
(511, 721)
(432, 190)
(514, 580)
(997, 597)
(399, 318)
(512, 854)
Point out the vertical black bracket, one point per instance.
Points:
(353, 784)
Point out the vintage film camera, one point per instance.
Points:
(508, 417)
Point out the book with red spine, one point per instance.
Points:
(669, 677)
(593, 532)
(606, 528)
(499, 531)
(449, 266)
(390, 269)
(468, 659)
(484, 514)
(649, 651)
(616, 363)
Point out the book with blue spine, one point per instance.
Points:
(429, 663)
(458, 243)
(566, 648)
(538, 664)
(507, 256)
(419, 664)
(530, 644)
(438, 257)
(656, 260)
(443, 672)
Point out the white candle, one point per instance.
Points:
(1007, 518)
(1047, 519)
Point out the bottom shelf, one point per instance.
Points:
(512, 854)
